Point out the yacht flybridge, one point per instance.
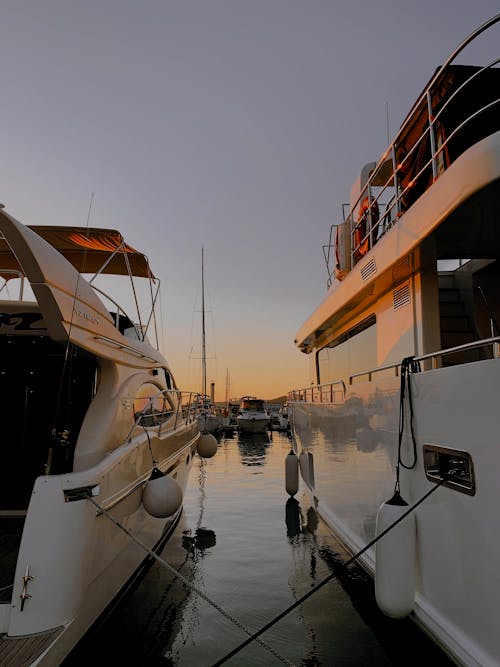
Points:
(405, 366)
(97, 440)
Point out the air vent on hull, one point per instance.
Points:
(401, 296)
(368, 270)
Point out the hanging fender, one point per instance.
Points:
(291, 473)
(207, 445)
(395, 559)
(306, 466)
(162, 495)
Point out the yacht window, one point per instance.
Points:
(168, 379)
(151, 406)
(353, 351)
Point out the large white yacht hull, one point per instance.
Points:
(354, 449)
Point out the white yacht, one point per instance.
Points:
(405, 367)
(91, 416)
(252, 416)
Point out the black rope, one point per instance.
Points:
(408, 366)
(327, 579)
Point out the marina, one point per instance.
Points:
(339, 505)
(254, 551)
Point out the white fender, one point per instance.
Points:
(161, 496)
(291, 474)
(306, 465)
(207, 445)
(395, 559)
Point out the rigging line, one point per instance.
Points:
(68, 342)
(326, 580)
(152, 314)
(190, 585)
(127, 262)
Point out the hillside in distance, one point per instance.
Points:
(280, 399)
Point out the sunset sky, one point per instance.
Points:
(236, 125)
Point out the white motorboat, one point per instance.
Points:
(405, 366)
(91, 418)
(252, 416)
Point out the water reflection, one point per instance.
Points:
(203, 539)
(296, 522)
(292, 517)
(253, 448)
(232, 545)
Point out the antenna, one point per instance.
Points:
(203, 345)
(387, 121)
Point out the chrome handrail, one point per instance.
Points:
(313, 389)
(494, 341)
(17, 274)
(372, 233)
(189, 410)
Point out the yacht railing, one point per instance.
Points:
(330, 392)
(396, 179)
(316, 393)
(168, 408)
(15, 274)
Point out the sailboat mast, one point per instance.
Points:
(203, 346)
(227, 386)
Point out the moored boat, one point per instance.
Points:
(229, 416)
(405, 366)
(97, 438)
(209, 417)
(252, 415)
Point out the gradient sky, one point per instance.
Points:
(237, 125)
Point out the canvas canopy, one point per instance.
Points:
(89, 250)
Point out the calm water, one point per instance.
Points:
(253, 551)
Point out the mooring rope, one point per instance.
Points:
(408, 366)
(190, 585)
(333, 575)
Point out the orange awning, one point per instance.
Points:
(87, 249)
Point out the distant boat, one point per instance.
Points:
(230, 410)
(90, 415)
(209, 418)
(229, 416)
(282, 419)
(253, 416)
(405, 366)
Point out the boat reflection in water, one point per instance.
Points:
(253, 551)
(253, 448)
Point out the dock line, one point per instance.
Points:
(333, 575)
(235, 621)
